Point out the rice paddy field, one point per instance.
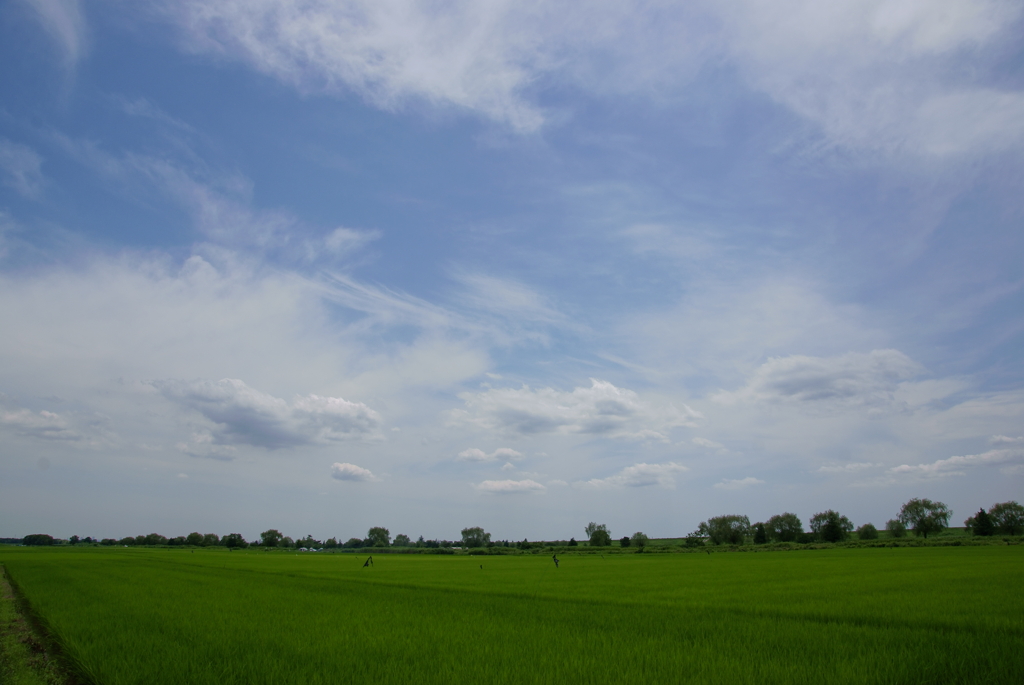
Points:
(879, 615)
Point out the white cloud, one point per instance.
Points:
(1005, 440)
(515, 307)
(243, 415)
(474, 454)
(640, 475)
(346, 471)
(203, 446)
(709, 444)
(601, 409)
(870, 74)
(510, 486)
(465, 54)
(21, 169)
(343, 240)
(739, 484)
(877, 74)
(855, 467)
(219, 204)
(141, 107)
(64, 21)
(42, 424)
(953, 466)
(851, 379)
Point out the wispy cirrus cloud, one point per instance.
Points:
(21, 169)
(874, 76)
(65, 22)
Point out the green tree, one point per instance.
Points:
(831, 526)
(402, 540)
(784, 527)
(980, 524)
(37, 540)
(624, 541)
(378, 536)
(194, 539)
(925, 516)
(74, 540)
(694, 539)
(271, 538)
(475, 537)
(572, 542)
(598, 535)
(155, 539)
(729, 529)
(867, 532)
(287, 542)
(234, 540)
(760, 534)
(639, 541)
(354, 543)
(896, 528)
(1008, 518)
(309, 542)
(211, 540)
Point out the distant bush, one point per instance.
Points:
(784, 527)
(924, 516)
(624, 542)
(867, 532)
(896, 528)
(980, 524)
(725, 529)
(37, 540)
(693, 540)
(598, 535)
(1008, 518)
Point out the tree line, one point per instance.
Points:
(921, 516)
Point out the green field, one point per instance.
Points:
(906, 615)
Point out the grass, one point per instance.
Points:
(24, 659)
(904, 615)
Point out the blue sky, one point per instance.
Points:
(321, 266)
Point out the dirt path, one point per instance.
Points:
(24, 657)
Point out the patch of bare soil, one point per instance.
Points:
(26, 654)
